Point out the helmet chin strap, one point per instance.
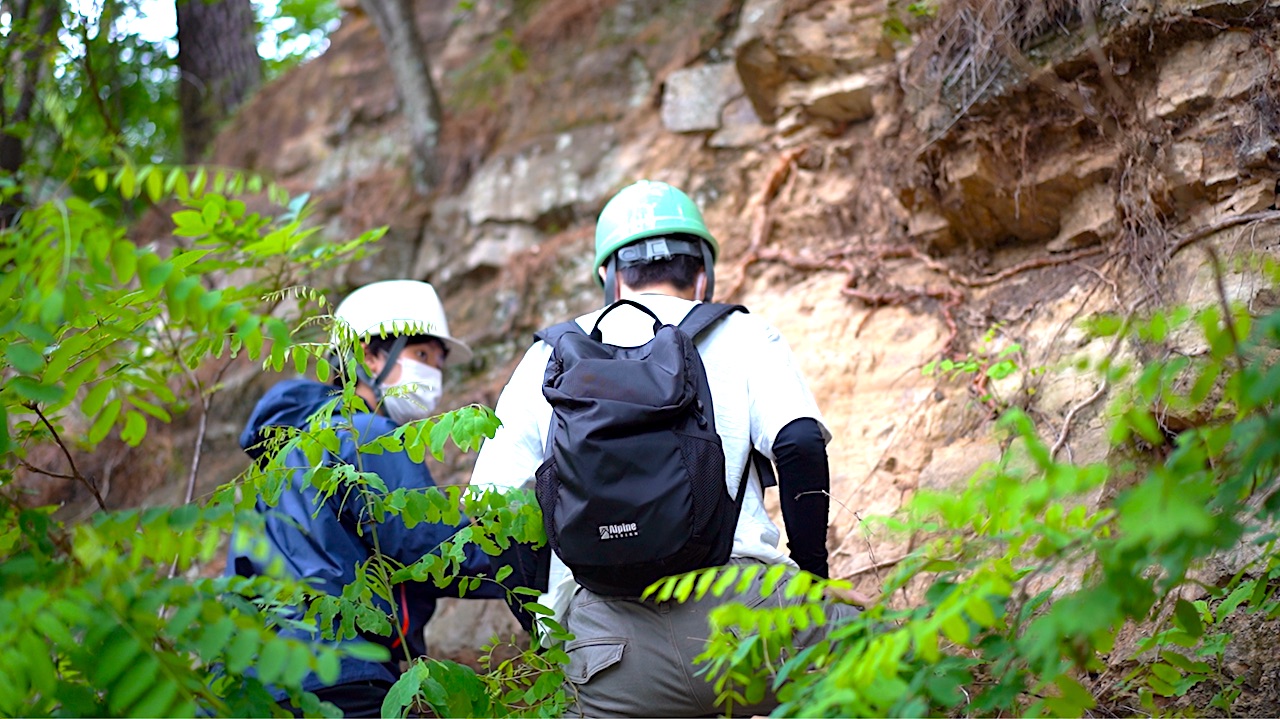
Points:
(375, 383)
(611, 281)
(709, 268)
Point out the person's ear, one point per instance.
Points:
(600, 271)
(375, 361)
(617, 285)
(700, 286)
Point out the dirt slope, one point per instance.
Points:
(889, 190)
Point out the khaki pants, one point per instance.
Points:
(632, 658)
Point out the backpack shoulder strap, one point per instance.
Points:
(764, 472)
(764, 469)
(705, 314)
(556, 331)
(699, 319)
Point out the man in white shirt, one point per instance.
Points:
(632, 657)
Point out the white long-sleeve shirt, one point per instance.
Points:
(756, 390)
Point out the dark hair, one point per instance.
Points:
(379, 345)
(681, 271)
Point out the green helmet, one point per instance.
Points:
(647, 209)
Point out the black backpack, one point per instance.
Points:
(632, 488)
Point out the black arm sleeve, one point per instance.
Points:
(530, 568)
(804, 483)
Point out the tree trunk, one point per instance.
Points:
(411, 71)
(219, 63)
(23, 53)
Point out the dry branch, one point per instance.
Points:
(1225, 223)
(874, 567)
(75, 471)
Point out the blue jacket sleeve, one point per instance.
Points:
(395, 539)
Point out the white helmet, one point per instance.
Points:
(399, 307)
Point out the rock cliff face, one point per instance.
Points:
(889, 190)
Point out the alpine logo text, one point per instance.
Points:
(618, 531)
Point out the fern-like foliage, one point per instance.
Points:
(102, 617)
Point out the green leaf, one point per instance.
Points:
(6, 443)
(241, 651)
(211, 212)
(944, 687)
(1184, 663)
(135, 428)
(51, 308)
(155, 184)
(404, 692)
(956, 629)
(35, 391)
(155, 277)
(1145, 425)
(272, 660)
(128, 182)
(139, 679)
(124, 258)
(24, 358)
(1237, 597)
(772, 576)
(189, 223)
(214, 639)
(198, 182)
(440, 434)
(926, 642)
(118, 652)
(1161, 687)
(1075, 694)
(367, 651)
(725, 577)
(704, 584)
(1167, 673)
(979, 609)
(798, 585)
(684, 587)
(159, 698)
(177, 183)
(1104, 325)
(1188, 618)
(150, 408)
(1001, 369)
(106, 419)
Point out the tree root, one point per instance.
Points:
(1102, 388)
(850, 261)
(950, 298)
(760, 219)
(1225, 223)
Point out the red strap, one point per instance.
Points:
(404, 623)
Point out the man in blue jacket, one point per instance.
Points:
(407, 345)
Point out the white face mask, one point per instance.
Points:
(420, 385)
